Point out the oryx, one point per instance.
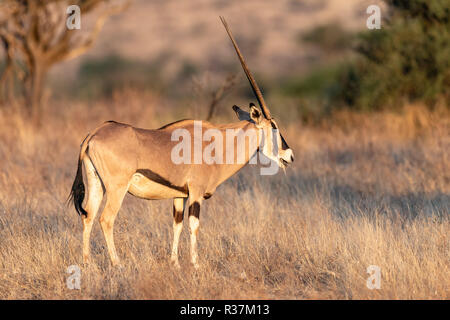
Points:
(119, 158)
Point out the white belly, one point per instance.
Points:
(143, 187)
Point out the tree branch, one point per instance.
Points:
(63, 50)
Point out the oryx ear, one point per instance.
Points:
(241, 114)
(255, 114)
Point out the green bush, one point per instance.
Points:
(331, 38)
(407, 60)
(101, 76)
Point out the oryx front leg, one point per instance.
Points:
(194, 223)
(178, 213)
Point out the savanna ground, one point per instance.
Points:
(364, 190)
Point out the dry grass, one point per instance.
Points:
(367, 190)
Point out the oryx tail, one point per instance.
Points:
(78, 190)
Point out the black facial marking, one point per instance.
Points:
(274, 126)
(284, 145)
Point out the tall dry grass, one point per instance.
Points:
(364, 190)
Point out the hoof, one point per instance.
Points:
(119, 268)
(86, 261)
(116, 264)
(175, 263)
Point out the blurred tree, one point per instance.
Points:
(407, 60)
(35, 37)
(219, 93)
(331, 38)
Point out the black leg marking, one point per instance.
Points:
(177, 215)
(194, 210)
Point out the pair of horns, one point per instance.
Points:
(255, 88)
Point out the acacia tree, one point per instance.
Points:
(34, 36)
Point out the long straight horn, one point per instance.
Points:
(250, 78)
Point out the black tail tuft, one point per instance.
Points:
(77, 192)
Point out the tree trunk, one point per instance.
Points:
(34, 91)
(6, 84)
(7, 77)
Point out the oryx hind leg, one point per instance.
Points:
(94, 199)
(114, 198)
(178, 213)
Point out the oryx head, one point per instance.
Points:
(274, 146)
